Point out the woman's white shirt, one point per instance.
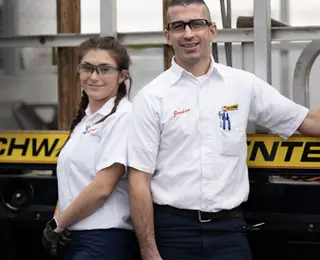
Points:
(91, 148)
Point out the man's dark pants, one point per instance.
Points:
(184, 237)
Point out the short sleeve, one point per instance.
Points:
(274, 111)
(144, 133)
(113, 143)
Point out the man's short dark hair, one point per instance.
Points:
(185, 2)
(173, 3)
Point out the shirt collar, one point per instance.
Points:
(177, 71)
(104, 110)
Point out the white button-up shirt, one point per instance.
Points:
(198, 160)
(90, 149)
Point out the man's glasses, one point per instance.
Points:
(102, 69)
(180, 26)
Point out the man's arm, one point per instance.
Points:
(143, 145)
(142, 213)
(311, 124)
(274, 111)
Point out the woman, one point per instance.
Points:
(92, 183)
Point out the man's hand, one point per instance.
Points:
(57, 244)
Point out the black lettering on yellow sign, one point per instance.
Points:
(270, 155)
(3, 141)
(36, 146)
(14, 146)
(267, 155)
(31, 147)
(44, 146)
(290, 149)
(270, 151)
(308, 151)
(264, 151)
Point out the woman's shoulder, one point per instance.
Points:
(120, 116)
(125, 106)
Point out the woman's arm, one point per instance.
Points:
(57, 210)
(92, 197)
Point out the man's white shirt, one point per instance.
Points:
(91, 148)
(190, 134)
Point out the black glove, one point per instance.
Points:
(64, 242)
(57, 244)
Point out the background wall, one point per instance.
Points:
(37, 82)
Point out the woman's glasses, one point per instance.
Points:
(101, 69)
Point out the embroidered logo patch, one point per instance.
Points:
(90, 130)
(229, 108)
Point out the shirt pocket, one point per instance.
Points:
(231, 142)
(231, 134)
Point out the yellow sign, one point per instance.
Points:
(31, 147)
(264, 151)
(271, 151)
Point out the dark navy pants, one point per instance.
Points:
(108, 244)
(183, 237)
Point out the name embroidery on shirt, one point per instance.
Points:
(175, 113)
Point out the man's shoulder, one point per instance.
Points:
(157, 86)
(237, 79)
(228, 71)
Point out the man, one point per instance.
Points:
(187, 145)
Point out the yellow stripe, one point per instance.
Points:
(264, 151)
